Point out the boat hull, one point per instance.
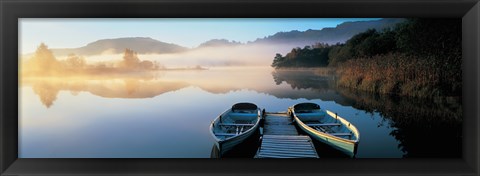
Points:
(239, 112)
(227, 145)
(347, 146)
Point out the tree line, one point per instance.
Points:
(418, 57)
(44, 62)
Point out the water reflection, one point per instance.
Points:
(47, 92)
(301, 84)
(425, 128)
(47, 89)
(422, 126)
(390, 126)
(308, 84)
(304, 79)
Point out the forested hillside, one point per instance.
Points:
(419, 57)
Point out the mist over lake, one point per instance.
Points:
(218, 56)
(144, 97)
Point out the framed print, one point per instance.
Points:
(223, 87)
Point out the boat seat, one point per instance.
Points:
(312, 114)
(225, 134)
(323, 129)
(340, 134)
(235, 124)
(239, 114)
(324, 124)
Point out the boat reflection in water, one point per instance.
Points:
(135, 113)
(419, 125)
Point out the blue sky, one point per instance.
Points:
(188, 32)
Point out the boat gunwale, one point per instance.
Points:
(342, 120)
(218, 140)
(352, 127)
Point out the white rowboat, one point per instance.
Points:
(235, 125)
(326, 127)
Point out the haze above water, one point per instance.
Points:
(109, 102)
(165, 114)
(218, 56)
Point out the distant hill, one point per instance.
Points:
(340, 33)
(218, 42)
(141, 45)
(146, 45)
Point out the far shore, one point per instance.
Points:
(102, 71)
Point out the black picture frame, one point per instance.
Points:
(10, 11)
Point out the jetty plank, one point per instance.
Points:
(281, 139)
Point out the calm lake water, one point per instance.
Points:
(167, 114)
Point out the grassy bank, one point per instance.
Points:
(400, 74)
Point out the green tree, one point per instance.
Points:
(339, 54)
(427, 37)
(278, 60)
(309, 56)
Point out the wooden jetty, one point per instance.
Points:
(281, 139)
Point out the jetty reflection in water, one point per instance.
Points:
(166, 114)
